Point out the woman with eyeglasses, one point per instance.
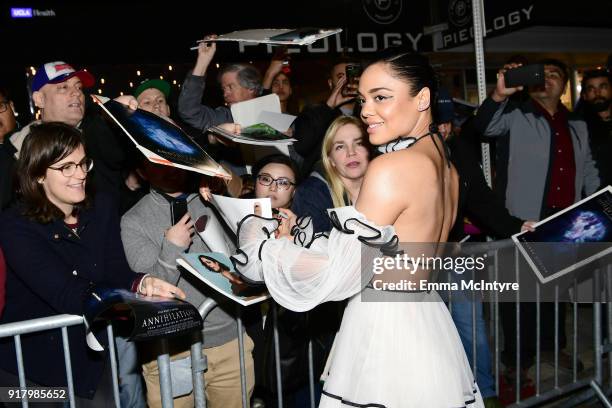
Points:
(276, 179)
(60, 244)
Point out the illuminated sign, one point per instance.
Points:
(21, 12)
(27, 12)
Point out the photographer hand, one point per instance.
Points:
(206, 52)
(276, 66)
(500, 93)
(336, 98)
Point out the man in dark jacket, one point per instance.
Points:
(596, 96)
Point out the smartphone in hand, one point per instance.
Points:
(353, 72)
(178, 209)
(526, 75)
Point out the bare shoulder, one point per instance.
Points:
(410, 166)
(391, 183)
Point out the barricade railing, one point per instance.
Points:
(574, 391)
(59, 322)
(199, 363)
(585, 386)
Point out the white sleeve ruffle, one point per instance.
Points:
(299, 278)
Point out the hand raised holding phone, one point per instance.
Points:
(353, 73)
(501, 92)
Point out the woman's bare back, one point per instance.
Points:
(415, 190)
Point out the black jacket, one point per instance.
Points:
(7, 172)
(49, 272)
(600, 140)
(476, 199)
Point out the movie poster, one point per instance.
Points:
(161, 141)
(217, 271)
(147, 317)
(571, 238)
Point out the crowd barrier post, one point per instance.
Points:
(62, 322)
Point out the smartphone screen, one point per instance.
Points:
(353, 72)
(178, 209)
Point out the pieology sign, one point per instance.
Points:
(496, 21)
(376, 25)
(362, 42)
(379, 24)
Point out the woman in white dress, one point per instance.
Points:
(394, 348)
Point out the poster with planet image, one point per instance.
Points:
(160, 140)
(570, 239)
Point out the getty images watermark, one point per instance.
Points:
(403, 263)
(489, 271)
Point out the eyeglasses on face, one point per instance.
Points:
(282, 183)
(68, 169)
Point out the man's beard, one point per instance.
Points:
(600, 104)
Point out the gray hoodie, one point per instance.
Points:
(147, 250)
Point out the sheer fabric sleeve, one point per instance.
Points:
(325, 269)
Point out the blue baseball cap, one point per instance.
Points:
(57, 72)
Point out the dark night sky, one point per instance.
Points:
(112, 36)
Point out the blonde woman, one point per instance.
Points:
(345, 157)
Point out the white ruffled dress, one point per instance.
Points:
(402, 352)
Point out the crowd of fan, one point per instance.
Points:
(547, 158)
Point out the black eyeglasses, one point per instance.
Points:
(282, 183)
(69, 169)
(4, 105)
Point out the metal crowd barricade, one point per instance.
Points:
(62, 322)
(577, 389)
(199, 363)
(198, 360)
